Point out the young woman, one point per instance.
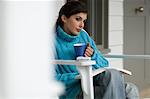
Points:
(69, 30)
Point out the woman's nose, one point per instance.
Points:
(81, 24)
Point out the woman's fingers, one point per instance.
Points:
(89, 52)
(88, 44)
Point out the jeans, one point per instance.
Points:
(132, 91)
(110, 85)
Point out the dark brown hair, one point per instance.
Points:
(70, 8)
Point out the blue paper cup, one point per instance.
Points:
(80, 49)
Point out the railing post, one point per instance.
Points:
(86, 81)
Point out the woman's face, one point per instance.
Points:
(74, 23)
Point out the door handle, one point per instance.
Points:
(139, 9)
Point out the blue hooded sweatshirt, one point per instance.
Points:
(65, 50)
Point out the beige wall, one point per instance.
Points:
(136, 41)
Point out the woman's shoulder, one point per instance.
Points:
(84, 33)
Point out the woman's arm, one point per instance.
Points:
(96, 55)
(66, 78)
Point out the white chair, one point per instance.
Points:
(86, 73)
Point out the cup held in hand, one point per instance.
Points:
(80, 49)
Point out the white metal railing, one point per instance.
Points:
(127, 56)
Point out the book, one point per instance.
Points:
(100, 70)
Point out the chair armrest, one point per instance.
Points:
(74, 62)
(85, 70)
(86, 74)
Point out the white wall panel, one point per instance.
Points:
(115, 63)
(115, 8)
(115, 23)
(115, 38)
(116, 30)
(117, 49)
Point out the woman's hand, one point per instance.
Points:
(89, 51)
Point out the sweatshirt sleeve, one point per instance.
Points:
(66, 78)
(97, 56)
(100, 60)
(62, 75)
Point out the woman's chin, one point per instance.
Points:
(75, 34)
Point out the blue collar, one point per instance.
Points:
(63, 35)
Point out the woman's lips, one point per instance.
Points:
(78, 30)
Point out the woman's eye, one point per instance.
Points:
(78, 19)
(84, 21)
